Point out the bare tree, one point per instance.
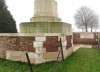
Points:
(86, 18)
(94, 22)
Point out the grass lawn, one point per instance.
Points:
(83, 60)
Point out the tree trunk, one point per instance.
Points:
(91, 29)
(86, 29)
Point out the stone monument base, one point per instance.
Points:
(45, 27)
(45, 19)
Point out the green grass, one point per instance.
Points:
(83, 60)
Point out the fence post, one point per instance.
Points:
(61, 49)
(30, 66)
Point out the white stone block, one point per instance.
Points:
(30, 55)
(40, 38)
(87, 35)
(63, 38)
(37, 56)
(72, 41)
(38, 44)
(39, 50)
(68, 52)
(7, 54)
(38, 61)
(52, 34)
(64, 48)
(64, 43)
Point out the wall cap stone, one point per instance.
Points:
(30, 34)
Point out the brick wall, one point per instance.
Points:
(86, 40)
(42, 47)
(17, 43)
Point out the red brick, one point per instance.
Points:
(19, 43)
(69, 44)
(51, 44)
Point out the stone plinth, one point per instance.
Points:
(45, 19)
(45, 27)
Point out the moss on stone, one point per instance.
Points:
(45, 27)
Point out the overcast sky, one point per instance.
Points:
(23, 10)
